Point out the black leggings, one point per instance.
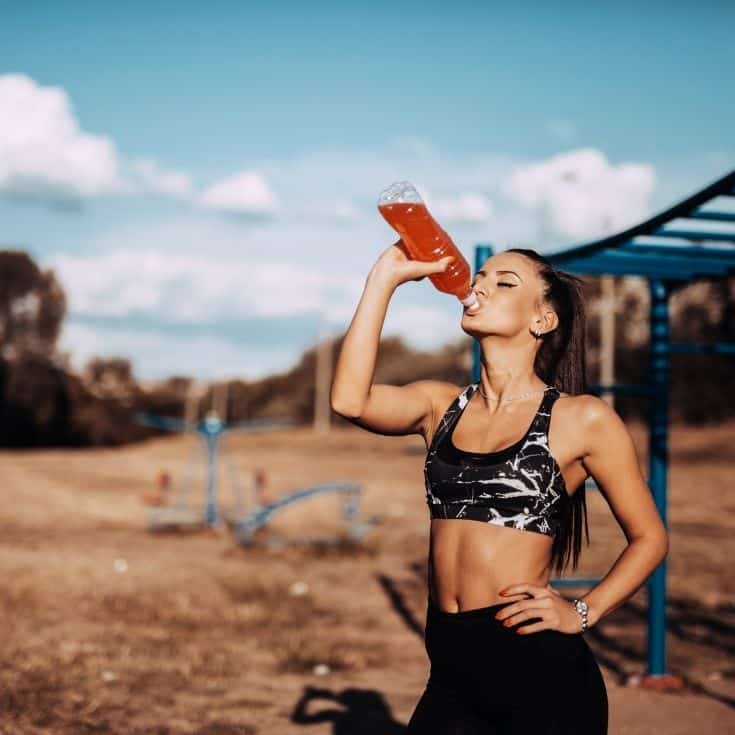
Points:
(487, 679)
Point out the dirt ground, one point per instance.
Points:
(109, 628)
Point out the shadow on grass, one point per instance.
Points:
(350, 711)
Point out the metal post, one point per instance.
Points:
(658, 463)
(211, 515)
(607, 336)
(482, 253)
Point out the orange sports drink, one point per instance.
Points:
(404, 210)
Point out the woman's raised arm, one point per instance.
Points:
(383, 409)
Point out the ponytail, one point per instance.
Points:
(561, 362)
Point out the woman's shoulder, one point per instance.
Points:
(578, 417)
(441, 391)
(585, 409)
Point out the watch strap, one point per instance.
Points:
(583, 609)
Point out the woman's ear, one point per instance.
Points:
(550, 321)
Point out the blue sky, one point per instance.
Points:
(203, 176)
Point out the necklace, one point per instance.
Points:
(512, 398)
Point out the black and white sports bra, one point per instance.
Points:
(520, 486)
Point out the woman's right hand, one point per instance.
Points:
(395, 265)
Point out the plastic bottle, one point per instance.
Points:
(404, 210)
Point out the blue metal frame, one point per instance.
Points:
(246, 526)
(677, 256)
(211, 430)
(248, 520)
(658, 463)
(482, 253)
(653, 250)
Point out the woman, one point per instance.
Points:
(506, 649)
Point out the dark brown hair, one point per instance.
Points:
(561, 361)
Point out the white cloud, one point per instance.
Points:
(247, 192)
(579, 194)
(43, 152)
(340, 211)
(195, 288)
(466, 208)
(158, 355)
(45, 155)
(424, 327)
(308, 253)
(154, 177)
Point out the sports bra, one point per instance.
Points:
(520, 486)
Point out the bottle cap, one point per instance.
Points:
(470, 301)
(400, 192)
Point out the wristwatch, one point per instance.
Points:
(583, 609)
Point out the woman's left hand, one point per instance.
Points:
(557, 612)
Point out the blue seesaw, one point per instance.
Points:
(246, 527)
(244, 518)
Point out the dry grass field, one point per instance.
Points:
(109, 628)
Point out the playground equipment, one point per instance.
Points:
(183, 512)
(247, 514)
(246, 526)
(669, 257)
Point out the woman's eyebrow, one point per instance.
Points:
(483, 273)
(513, 272)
